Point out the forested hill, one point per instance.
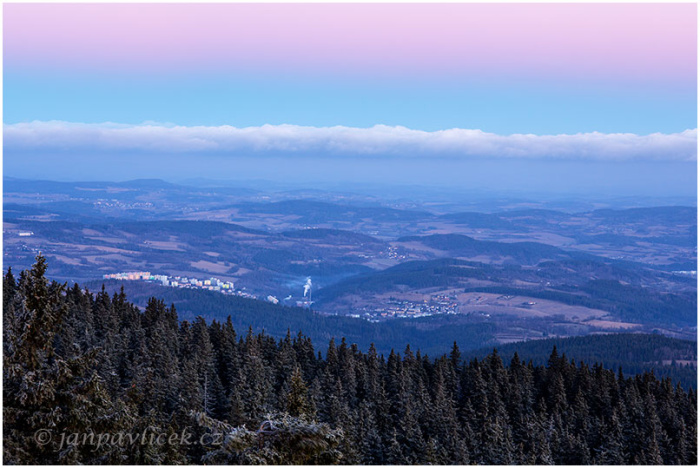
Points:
(633, 352)
(434, 336)
(77, 363)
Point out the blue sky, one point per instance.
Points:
(599, 92)
(505, 107)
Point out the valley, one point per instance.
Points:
(526, 270)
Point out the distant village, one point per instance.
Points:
(437, 305)
(211, 284)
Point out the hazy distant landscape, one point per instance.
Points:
(521, 269)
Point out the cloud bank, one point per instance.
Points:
(376, 142)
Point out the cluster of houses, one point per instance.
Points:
(437, 305)
(211, 284)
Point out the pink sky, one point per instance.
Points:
(609, 42)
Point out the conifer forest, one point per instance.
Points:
(91, 379)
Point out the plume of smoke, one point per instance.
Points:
(307, 286)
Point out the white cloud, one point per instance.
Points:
(380, 141)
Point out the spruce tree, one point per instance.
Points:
(48, 396)
(298, 402)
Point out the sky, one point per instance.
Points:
(396, 89)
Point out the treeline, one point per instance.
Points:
(317, 212)
(336, 236)
(636, 353)
(664, 215)
(295, 262)
(527, 253)
(75, 362)
(415, 274)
